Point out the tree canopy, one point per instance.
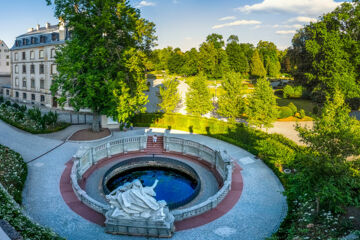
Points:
(198, 98)
(102, 67)
(169, 95)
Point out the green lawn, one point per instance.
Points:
(305, 104)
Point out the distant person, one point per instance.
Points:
(154, 139)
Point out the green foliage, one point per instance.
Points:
(216, 40)
(293, 92)
(285, 112)
(102, 67)
(335, 133)
(232, 103)
(198, 98)
(176, 61)
(302, 113)
(237, 59)
(12, 177)
(191, 65)
(256, 66)
(169, 96)
(293, 108)
(262, 108)
(269, 55)
(327, 53)
(1, 99)
(275, 152)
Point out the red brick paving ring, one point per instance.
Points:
(89, 214)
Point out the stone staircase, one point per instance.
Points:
(155, 148)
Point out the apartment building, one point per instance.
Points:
(33, 64)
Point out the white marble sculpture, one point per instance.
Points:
(134, 201)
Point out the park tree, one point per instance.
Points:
(102, 67)
(207, 58)
(191, 65)
(326, 53)
(269, 55)
(236, 57)
(198, 98)
(216, 39)
(256, 66)
(176, 61)
(335, 133)
(169, 96)
(262, 108)
(232, 103)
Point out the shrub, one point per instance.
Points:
(316, 110)
(302, 113)
(8, 103)
(285, 112)
(35, 114)
(23, 108)
(293, 108)
(1, 99)
(293, 92)
(15, 105)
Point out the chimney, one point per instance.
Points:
(38, 27)
(30, 29)
(47, 25)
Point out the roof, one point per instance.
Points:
(50, 29)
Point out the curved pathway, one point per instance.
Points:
(256, 215)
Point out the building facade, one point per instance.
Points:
(33, 64)
(5, 64)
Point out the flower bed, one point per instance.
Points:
(30, 120)
(12, 178)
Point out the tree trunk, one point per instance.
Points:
(96, 122)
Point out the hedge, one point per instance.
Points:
(12, 176)
(285, 112)
(60, 127)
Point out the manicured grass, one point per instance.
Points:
(305, 104)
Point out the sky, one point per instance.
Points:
(186, 23)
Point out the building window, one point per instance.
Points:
(41, 68)
(24, 41)
(33, 40)
(16, 56)
(16, 69)
(42, 98)
(24, 82)
(41, 54)
(53, 68)
(54, 37)
(7, 56)
(42, 39)
(33, 97)
(53, 53)
(24, 96)
(17, 94)
(32, 55)
(7, 92)
(42, 84)
(7, 64)
(32, 68)
(16, 82)
(32, 83)
(23, 55)
(24, 68)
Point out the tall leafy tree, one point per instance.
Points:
(236, 57)
(102, 68)
(269, 55)
(191, 65)
(169, 95)
(256, 66)
(198, 98)
(335, 134)
(262, 108)
(232, 102)
(327, 52)
(216, 39)
(208, 59)
(176, 61)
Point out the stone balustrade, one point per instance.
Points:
(88, 156)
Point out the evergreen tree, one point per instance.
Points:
(262, 108)
(198, 98)
(256, 66)
(232, 103)
(169, 95)
(237, 59)
(191, 65)
(102, 67)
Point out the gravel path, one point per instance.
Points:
(256, 215)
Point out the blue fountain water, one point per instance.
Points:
(173, 187)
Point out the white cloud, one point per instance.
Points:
(237, 23)
(285, 32)
(188, 38)
(307, 7)
(145, 4)
(301, 19)
(227, 18)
